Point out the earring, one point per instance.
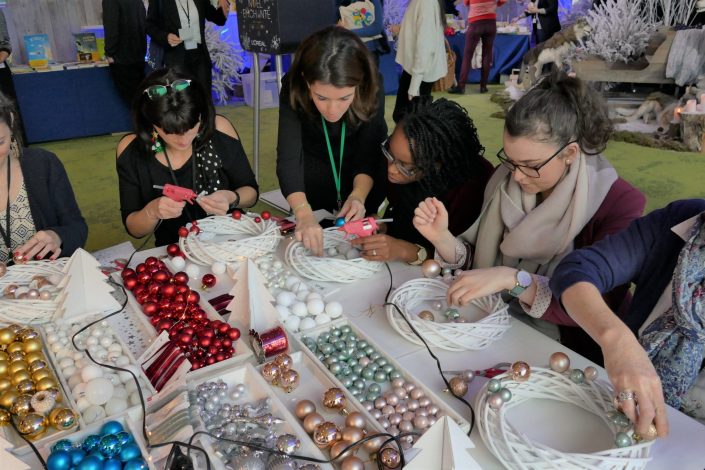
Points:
(157, 146)
(14, 148)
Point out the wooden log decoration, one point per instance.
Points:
(693, 131)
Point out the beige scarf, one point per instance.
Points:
(514, 231)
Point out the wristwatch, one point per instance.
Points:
(523, 281)
(421, 256)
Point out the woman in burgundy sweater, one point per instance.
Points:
(552, 194)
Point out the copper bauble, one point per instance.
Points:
(373, 445)
(559, 362)
(337, 448)
(304, 408)
(45, 384)
(458, 386)
(334, 398)
(590, 373)
(26, 386)
(431, 268)
(427, 315)
(351, 434)
(289, 380)
(270, 372)
(310, 422)
(352, 463)
(325, 434)
(22, 405)
(63, 418)
(31, 345)
(8, 398)
(19, 376)
(284, 361)
(390, 457)
(520, 371)
(355, 420)
(32, 425)
(5, 417)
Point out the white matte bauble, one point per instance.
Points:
(178, 262)
(122, 361)
(79, 391)
(322, 319)
(91, 372)
(112, 355)
(286, 298)
(120, 392)
(77, 356)
(114, 379)
(134, 399)
(115, 347)
(65, 362)
(52, 338)
(83, 403)
(283, 312)
(218, 268)
(352, 253)
(91, 341)
(313, 295)
(93, 414)
(97, 332)
(291, 282)
(302, 294)
(125, 376)
(115, 406)
(69, 371)
(334, 309)
(130, 386)
(74, 380)
(106, 341)
(99, 391)
(299, 309)
(292, 323)
(307, 323)
(315, 306)
(192, 270)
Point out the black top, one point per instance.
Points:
(161, 23)
(125, 36)
(303, 163)
(550, 24)
(138, 174)
(51, 199)
(463, 202)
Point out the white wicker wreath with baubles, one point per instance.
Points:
(30, 291)
(423, 302)
(581, 388)
(252, 235)
(339, 263)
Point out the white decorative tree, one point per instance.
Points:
(252, 305)
(620, 30)
(228, 61)
(443, 445)
(669, 12)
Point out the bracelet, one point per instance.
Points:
(146, 210)
(236, 203)
(300, 206)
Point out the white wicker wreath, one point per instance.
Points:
(330, 269)
(27, 311)
(250, 239)
(516, 450)
(451, 336)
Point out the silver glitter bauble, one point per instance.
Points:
(280, 462)
(288, 443)
(249, 462)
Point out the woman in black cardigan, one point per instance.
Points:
(179, 27)
(39, 217)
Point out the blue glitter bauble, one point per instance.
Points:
(109, 445)
(90, 442)
(112, 464)
(111, 427)
(90, 463)
(59, 460)
(124, 437)
(340, 221)
(136, 464)
(76, 456)
(129, 452)
(63, 444)
(96, 453)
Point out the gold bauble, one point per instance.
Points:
(6, 336)
(17, 366)
(27, 334)
(14, 328)
(37, 365)
(41, 374)
(46, 384)
(16, 346)
(4, 366)
(5, 417)
(334, 398)
(650, 435)
(26, 386)
(22, 405)
(5, 384)
(34, 356)
(63, 418)
(4, 356)
(32, 345)
(16, 356)
(458, 386)
(19, 376)
(32, 425)
(8, 397)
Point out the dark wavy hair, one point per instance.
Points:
(337, 57)
(560, 109)
(176, 112)
(443, 142)
(9, 116)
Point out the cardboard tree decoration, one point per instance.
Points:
(252, 305)
(444, 446)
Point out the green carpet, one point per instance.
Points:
(662, 175)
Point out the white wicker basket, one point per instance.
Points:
(226, 239)
(329, 269)
(410, 298)
(27, 311)
(515, 449)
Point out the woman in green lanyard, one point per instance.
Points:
(331, 125)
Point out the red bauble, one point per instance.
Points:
(144, 278)
(173, 249)
(188, 330)
(139, 290)
(237, 215)
(266, 215)
(206, 333)
(184, 339)
(204, 341)
(150, 309)
(210, 360)
(151, 261)
(154, 320)
(164, 304)
(161, 276)
(258, 220)
(234, 334)
(127, 272)
(167, 290)
(195, 365)
(164, 324)
(223, 328)
(130, 282)
(228, 355)
(227, 343)
(140, 268)
(153, 287)
(179, 297)
(183, 232)
(141, 298)
(193, 297)
(180, 278)
(195, 229)
(220, 357)
(213, 350)
(208, 280)
(178, 307)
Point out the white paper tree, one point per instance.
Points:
(252, 305)
(9, 461)
(444, 445)
(85, 291)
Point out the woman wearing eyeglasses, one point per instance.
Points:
(179, 140)
(553, 193)
(331, 125)
(434, 150)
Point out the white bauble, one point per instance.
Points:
(313, 295)
(322, 319)
(93, 414)
(82, 404)
(120, 392)
(334, 309)
(292, 281)
(192, 270)
(302, 294)
(283, 312)
(299, 309)
(115, 406)
(315, 306)
(178, 262)
(134, 399)
(292, 323)
(99, 391)
(307, 323)
(122, 361)
(352, 253)
(218, 268)
(286, 298)
(69, 371)
(91, 372)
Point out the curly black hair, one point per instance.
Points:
(443, 142)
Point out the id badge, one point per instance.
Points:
(191, 37)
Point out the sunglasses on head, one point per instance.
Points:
(158, 91)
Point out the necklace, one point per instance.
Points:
(336, 171)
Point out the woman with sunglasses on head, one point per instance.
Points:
(434, 150)
(331, 125)
(553, 193)
(39, 217)
(179, 140)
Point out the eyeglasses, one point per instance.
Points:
(158, 91)
(530, 171)
(403, 169)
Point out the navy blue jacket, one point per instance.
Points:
(645, 253)
(51, 199)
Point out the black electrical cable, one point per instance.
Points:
(24, 438)
(438, 362)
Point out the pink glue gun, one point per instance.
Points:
(177, 193)
(362, 228)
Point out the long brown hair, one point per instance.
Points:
(337, 57)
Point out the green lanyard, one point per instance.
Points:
(336, 171)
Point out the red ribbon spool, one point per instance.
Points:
(269, 343)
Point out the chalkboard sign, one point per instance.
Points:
(278, 26)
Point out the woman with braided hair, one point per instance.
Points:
(433, 151)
